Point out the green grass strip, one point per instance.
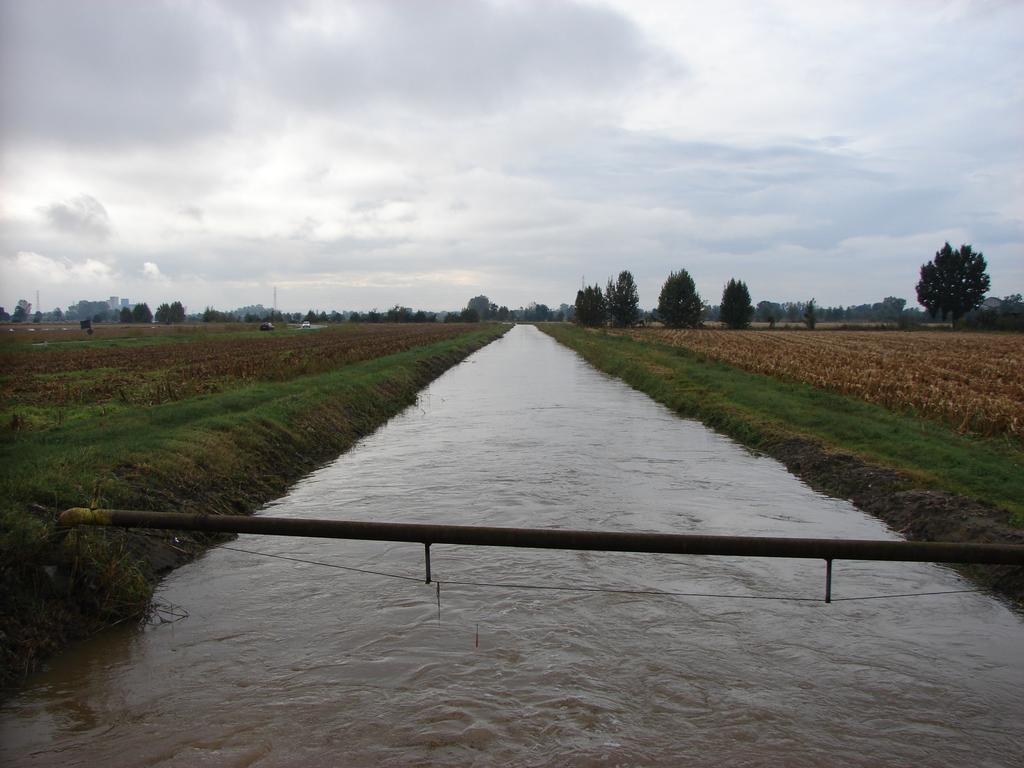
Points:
(254, 439)
(759, 410)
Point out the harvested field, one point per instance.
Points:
(152, 368)
(972, 382)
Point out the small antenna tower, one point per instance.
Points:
(275, 299)
(38, 308)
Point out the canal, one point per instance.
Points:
(299, 662)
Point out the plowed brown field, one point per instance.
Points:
(153, 370)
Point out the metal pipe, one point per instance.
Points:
(543, 538)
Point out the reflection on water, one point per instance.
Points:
(288, 663)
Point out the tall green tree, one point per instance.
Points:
(170, 313)
(141, 313)
(126, 315)
(622, 299)
(591, 310)
(679, 304)
(736, 310)
(811, 314)
(954, 282)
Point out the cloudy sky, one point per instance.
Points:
(359, 155)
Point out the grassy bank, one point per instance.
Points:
(761, 411)
(224, 452)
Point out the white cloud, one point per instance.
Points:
(37, 269)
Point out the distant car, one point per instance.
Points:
(267, 327)
(305, 324)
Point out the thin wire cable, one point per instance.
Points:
(325, 565)
(608, 590)
(909, 594)
(520, 585)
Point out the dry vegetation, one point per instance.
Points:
(145, 368)
(973, 382)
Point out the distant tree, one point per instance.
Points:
(211, 315)
(310, 316)
(37, 317)
(469, 315)
(4, 315)
(892, 308)
(591, 310)
(58, 315)
(21, 311)
(400, 314)
(768, 311)
(953, 283)
(482, 305)
(736, 310)
(502, 314)
(126, 315)
(1012, 303)
(679, 304)
(141, 313)
(537, 313)
(811, 314)
(170, 313)
(622, 300)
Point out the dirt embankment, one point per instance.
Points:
(920, 515)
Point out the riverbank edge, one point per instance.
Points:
(69, 585)
(895, 497)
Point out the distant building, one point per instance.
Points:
(125, 303)
(114, 302)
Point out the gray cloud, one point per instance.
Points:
(459, 56)
(101, 72)
(338, 147)
(82, 215)
(106, 72)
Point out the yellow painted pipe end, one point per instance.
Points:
(84, 516)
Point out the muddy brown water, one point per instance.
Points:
(288, 663)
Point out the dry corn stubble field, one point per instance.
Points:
(972, 382)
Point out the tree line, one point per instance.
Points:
(679, 303)
(952, 285)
